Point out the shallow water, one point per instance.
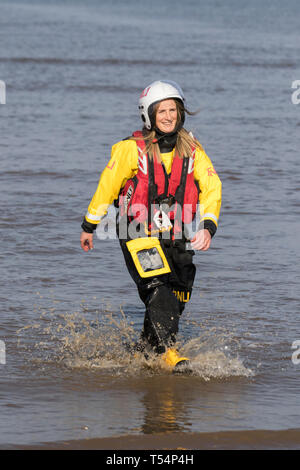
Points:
(73, 74)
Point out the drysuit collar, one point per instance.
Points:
(167, 140)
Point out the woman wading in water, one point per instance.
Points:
(161, 180)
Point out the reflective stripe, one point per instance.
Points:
(210, 216)
(93, 217)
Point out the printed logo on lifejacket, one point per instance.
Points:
(128, 197)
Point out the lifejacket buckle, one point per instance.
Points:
(166, 201)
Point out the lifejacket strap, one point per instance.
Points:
(179, 194)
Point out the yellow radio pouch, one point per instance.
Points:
(148, 256)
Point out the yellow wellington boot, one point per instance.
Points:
(172, 359)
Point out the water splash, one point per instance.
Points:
(76, 341)
(101, 340)
(214, 355)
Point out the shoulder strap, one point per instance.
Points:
(143, 161)
(179, 194)
(144, 158)
(187, 168)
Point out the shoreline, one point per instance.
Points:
(222, 440)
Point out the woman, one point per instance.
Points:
(161, 180)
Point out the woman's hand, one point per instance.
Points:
(86, 241)
(201, 240)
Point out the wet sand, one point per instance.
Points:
(225, 440)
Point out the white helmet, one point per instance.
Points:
(157, 91)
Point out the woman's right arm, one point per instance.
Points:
(122, 166)
(86, 241)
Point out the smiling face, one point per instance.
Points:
(166, 116)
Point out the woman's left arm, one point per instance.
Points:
(210, 199)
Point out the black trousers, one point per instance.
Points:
(164, 296)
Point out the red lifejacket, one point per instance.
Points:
(151, 186)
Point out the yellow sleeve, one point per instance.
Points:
(122, 166)
(210, 196)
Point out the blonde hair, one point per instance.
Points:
(185, 140)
